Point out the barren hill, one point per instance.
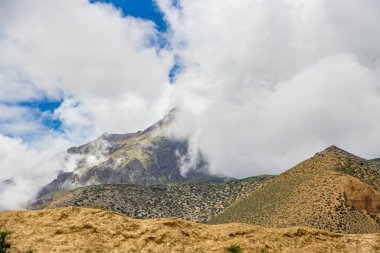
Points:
(334, 190)
(196, 202)
(75, 229)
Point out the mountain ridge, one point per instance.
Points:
(145, 157)
(334, 190)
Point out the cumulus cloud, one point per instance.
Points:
(268, 83)
(16, 120)
(105, 68)
(263, 84)
(74, 50)
(29, 167)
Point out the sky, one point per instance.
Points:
(260, 85)
(144, 9)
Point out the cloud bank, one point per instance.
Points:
(268, 83)
(262, 84)
(105, 68)
(28, 168)
(103, 65)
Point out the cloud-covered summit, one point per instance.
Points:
(268, 83)
(261, 84)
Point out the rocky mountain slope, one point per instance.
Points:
(195, 202)
(375, 163)
(75, 229)
(333, 190)
(145, 157)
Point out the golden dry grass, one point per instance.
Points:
(334, 191)
(74, 229)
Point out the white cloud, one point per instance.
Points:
(268, 83)
(89, 53)
(29, 166)
(101, 64)
(265, 84)
(19, 121)
(14, 86)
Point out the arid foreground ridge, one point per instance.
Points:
(74, 229)
(334, 190)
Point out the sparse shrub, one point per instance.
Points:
(234, 249)
(99, 207)
(4, 245)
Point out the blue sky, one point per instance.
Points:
(37, 111)
(144, 9)
(264, 84)
(45, 106)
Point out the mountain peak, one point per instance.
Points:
(333, 149)
(336, 151)
(140, 158)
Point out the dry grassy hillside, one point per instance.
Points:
(334, 190)
(75, 229)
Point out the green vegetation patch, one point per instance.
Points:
(135, 149)
(233, 249)
(5, 245)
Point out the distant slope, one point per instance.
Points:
(334, 190)
(89, 230)
(375, 163)
(145, 157)
(196, 202)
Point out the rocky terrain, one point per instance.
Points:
(334, 190)
(375, 163)
(74, 229)
(195, 202)
(145, 157)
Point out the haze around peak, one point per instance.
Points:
(259, 85)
